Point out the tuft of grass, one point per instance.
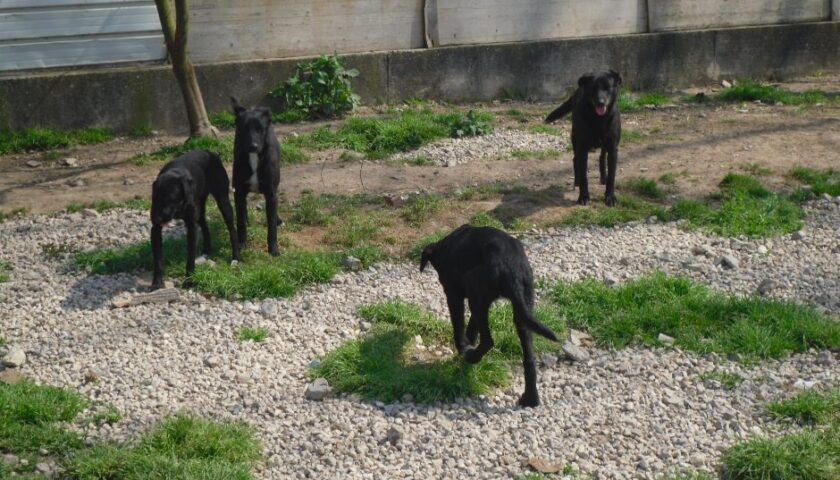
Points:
(223, 119)
(55, 251)
(42, 139)
(382, 364)
(489, 191)
(419, 208)
(628, 102)
(808, 455)
(5, 269)
(109, 416)
(645, 187)
(486, 219)
(750, 91)
(103, 206)
(730, 381)
(809, 408)
(633, 136)
(401, 132)
(144, 131)
(17, 212)
(755, 169)
(629, 209)
(257, 335)
(355, 230)
(821, 182)
(292, 155)
(546, 130)
(699, 319)
(668, 179)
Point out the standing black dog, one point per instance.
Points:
(256, 168)
(482, 264)
(596, 122)
(180, 191)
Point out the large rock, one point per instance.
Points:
(575, 353)
(729, 262)
(318, 390)
(15, 357)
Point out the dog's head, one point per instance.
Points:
(428, 255)
(170, 197)
(601, 90)
(252, 126)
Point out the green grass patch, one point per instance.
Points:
(820, 181)
(380, 364)
(16, 213)
(699, 319)
(103, 206)
(420, 208)
(489, 191)
(257, 335)
(399, 132)
(356, 229)
(633, 136)
(224, 119)
(486, 219)
(546, 130)
(629, 209)
(222, 146)
(629, 102)
(645, 187)
(808, 455)
(41, 139)
(669, 179)
(5, 271)
(750, 91)
(257, 276)
(144, 131)
(809, 408)
(730, 381)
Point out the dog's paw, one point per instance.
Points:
(274, 251)
(472, 355)
(610, 200)
(583, 200)
(529, 401)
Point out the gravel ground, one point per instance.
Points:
(628, 414)
(501, 143)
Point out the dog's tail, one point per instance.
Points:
(562, 110)
(521, 300)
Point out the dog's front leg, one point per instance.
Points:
(602, 166)
(580, 163)
(190, 223)
(612, 160)
(271, 221)
(456, 313)
(240, 197)
(157, 253)
(530, 398)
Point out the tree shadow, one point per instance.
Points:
(520, 204)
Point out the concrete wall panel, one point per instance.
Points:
(669, 15)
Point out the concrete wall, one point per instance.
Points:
(835, 9)
(126, 98)
(668, 15)
(464, 22)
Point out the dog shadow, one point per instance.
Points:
(379, 369)
(96, 291)
(518, 205)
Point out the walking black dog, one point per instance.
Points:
(596, 122)
(482, 264)
(256, 168)
(180, 191)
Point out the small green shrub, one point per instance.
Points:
(319, 89)
(645, 187)
(471, 125)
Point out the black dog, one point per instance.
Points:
(482, 264)
(256, 168)
(596, 122)
(180, 191)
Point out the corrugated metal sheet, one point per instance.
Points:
(59, 33)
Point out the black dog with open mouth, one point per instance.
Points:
(596, 122)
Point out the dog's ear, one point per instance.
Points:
(585, 80)
(427, 255)
(237, 108)
(617, 77)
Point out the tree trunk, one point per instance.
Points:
(175, 34)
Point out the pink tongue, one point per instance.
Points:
(601, 110)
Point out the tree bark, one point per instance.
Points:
(175, 29)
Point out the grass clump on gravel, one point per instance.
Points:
(386, 365)
(698, 319)
(821, 182)
(5, 272)
(645, 187)
(809, 408)
(257, 276)
(400, 132)
(103, 206)
(41, 139)
(248, 334)
(628, 209)
(751, 91)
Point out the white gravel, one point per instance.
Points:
(628, 414)
(501, 143)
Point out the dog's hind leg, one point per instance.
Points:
(190, 223)
(206, 247)
(530, 398)
(456, 314)
(240, 198)
(602, 166)
(612, 164)
(272, 220)
(223, 202)
(479, 315)
(157, 253)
